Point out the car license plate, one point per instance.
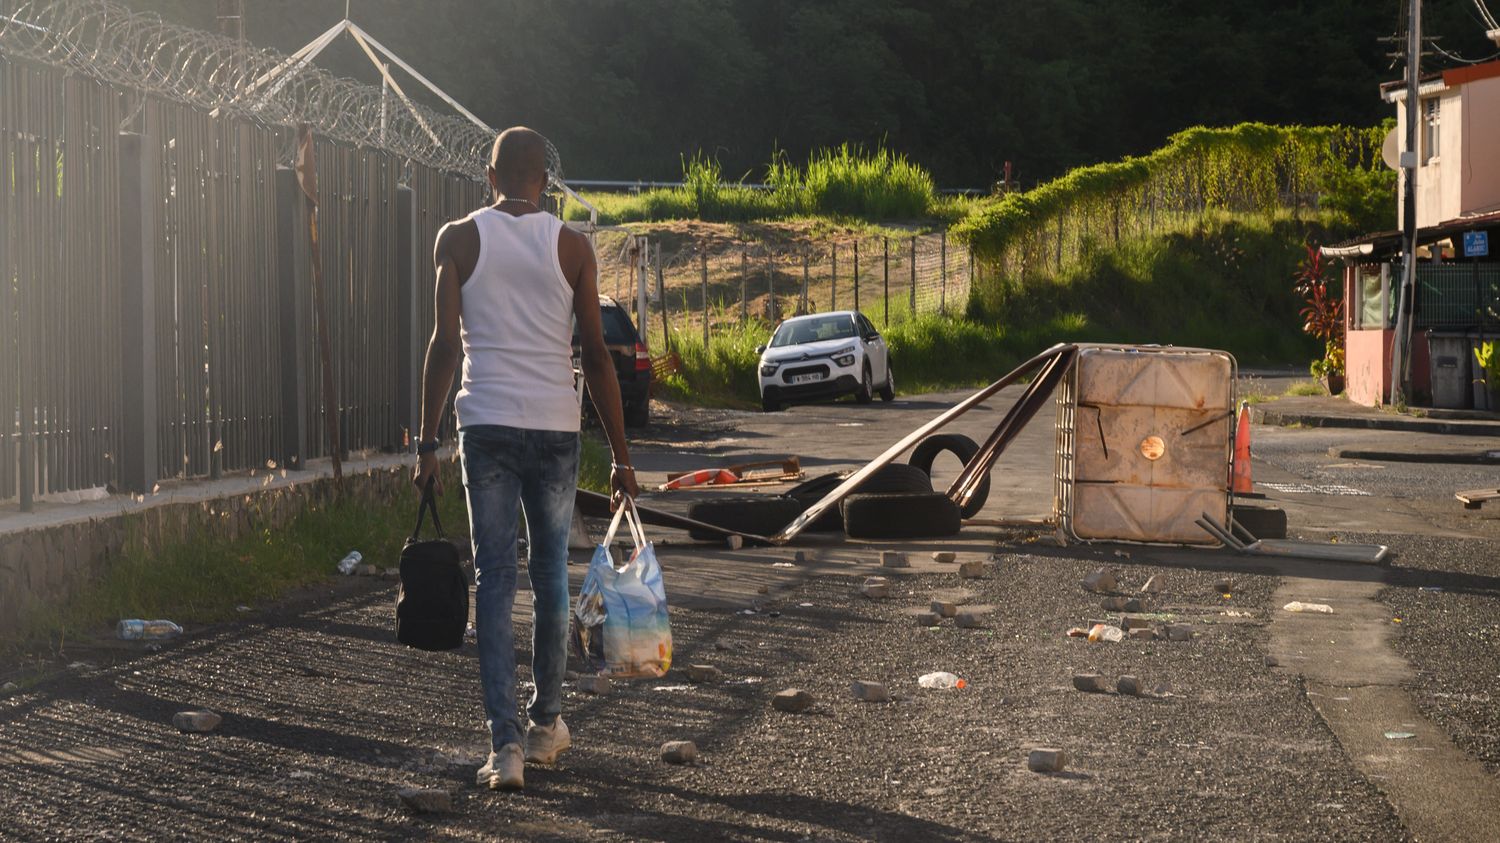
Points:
(806, 378)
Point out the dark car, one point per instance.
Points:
(632, 361)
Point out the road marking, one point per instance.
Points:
(1315, 489)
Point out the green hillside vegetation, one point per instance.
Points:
(843, 183)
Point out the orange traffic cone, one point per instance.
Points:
(1240, 476)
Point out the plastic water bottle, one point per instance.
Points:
(350, 562)
(941, 679)
(139, 630)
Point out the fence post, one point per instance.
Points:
(856, 275)
(913, 302)
(806, 272)
(943, 270)
(25, 373)
(642, 305)
(661, 295)
(833, 280)
(885, 253)
(408, 331)
(744, 288)
(291, 258)
(703, 271)
(137, 266)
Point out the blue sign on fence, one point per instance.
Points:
(1476, 244)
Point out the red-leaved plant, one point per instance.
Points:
(1323, 315)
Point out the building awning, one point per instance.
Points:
(1383, 245)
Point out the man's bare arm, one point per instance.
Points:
(443, 350)
(598, 367)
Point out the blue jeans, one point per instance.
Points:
(507, 469)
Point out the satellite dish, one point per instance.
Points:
(1390, 151)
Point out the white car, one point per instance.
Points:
(824, 356)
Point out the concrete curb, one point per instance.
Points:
(1280, 418)
(1447, 457)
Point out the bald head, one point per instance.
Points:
(518, 162)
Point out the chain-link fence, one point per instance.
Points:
(696, 286)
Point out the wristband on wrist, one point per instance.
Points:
(428, 446)
(618, 467)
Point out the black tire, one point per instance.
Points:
(1263, 522)
(767, 406)
(888, 392)
(762, 515)
(960, 446)
(910, 516)
(638, 415)
(866, 390)
(893, 478)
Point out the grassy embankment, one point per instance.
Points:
(204, 580)
(1192, 245)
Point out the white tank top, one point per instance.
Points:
(517, 327)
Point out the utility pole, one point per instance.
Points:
(1400, 349)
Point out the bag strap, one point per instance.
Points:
(428, 504)
(628, 513)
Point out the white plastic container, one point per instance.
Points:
(1144, 437)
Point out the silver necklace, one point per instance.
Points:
(505, 199)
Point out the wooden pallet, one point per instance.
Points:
(1475, 498)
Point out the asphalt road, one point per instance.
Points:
(325, 717)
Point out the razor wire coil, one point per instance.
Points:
(108, 42)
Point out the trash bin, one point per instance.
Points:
(1448, 360)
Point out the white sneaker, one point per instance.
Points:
(504, 769)
(545, 743)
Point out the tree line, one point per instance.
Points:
(626, 88)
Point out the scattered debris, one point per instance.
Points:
(734, 542)
(704, 673)
(942, 679)
(970, 620)
(1431, 588)
(782, 565)
(1272, 661)
(426, 800)
(596, 684)
(1399, 736)
(876, 588)
(1224, 584)
(1121, 604)
(1130, 623)
(1180, 632)
(972, 570)
(945, 608)
(1091, 683)
(350, 563)
(1143, 634)
(1154, 585)
(731, 645)
(866, 691)
(242, 608)
(200, 721)
(1101, 581)
(8, 687)
(1046, 760)
(679, 752)
(139, 630)
(792, 700)
(1299, 606)
(893, 559)
(1077, 632)
(1107, 633)
(944, 557)
(927, 618)
(368, 571)
(804, 605)
(1130, 686)
(1162, 689)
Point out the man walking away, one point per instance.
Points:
(510, 281)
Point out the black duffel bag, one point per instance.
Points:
(432, 605)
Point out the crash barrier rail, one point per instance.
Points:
(156, 309)
(697, 287)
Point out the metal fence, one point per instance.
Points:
(696, 286)
(1456, 295)
(155, 297)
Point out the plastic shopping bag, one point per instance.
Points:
(620, 625)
